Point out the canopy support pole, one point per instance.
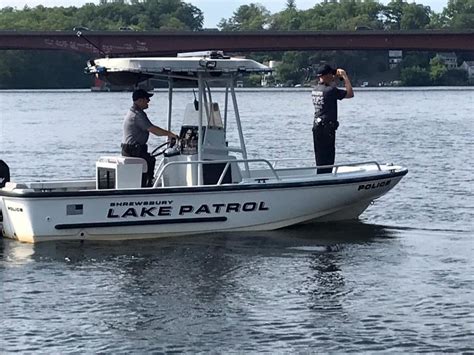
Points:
(239, 128)
(170, 101)
(226, 108)
(200, 140)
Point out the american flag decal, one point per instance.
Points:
(74, 209)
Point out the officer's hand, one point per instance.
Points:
(341, 73)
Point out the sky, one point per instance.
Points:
(214, 10)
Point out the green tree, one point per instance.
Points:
(437, 70)
(27, 70)
(415, 17)
(149, 15)
(454, 77)
(291, 4)
(437, 21)
(253, 80)
(288, 19)
(415, 76)
(247, 17)
(393, 13)
(459, 14)
(343, 15)
(291, 70)
(421, 60)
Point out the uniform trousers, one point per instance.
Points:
(324, 140)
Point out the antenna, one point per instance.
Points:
(81, 35)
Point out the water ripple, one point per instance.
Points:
(398, 281)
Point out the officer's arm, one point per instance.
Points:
(347, 83)
(161, 132)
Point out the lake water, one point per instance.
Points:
(399, 280)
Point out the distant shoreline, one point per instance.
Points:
(249, 89)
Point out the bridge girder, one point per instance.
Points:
(169, 43)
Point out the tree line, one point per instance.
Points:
(45, 69)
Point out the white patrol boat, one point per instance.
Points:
(203, 183)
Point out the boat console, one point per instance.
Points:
(177, 168)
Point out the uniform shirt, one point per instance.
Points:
(325, 102)
(135, 126)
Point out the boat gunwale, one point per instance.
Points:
(206, 188)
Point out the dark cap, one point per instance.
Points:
(140, 94)
(325, 69)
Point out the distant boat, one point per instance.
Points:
(104, 86)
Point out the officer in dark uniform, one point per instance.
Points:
(136, 130)
(325, 95)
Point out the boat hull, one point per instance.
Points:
(167, 212)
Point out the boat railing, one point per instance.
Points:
(286, 160)
(227, 163)
(370, 162)
(336, 166)
(273, 170)
(62, 185)
(223, 149)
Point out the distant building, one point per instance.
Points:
(268, 78)
(449, 59)
(394, 58)
(273, 64)
(469, 67)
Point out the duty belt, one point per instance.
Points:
(134, 146)
(134, 149)
(319, 122)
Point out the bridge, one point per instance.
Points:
(170, 43)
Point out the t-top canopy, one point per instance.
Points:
(180, 65)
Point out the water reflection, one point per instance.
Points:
(219, 289)
(331, 234)
(319, 238)
(207, 272)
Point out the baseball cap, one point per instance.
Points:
(140, 94)
(325, 69)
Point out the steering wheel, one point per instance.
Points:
(160, 150)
